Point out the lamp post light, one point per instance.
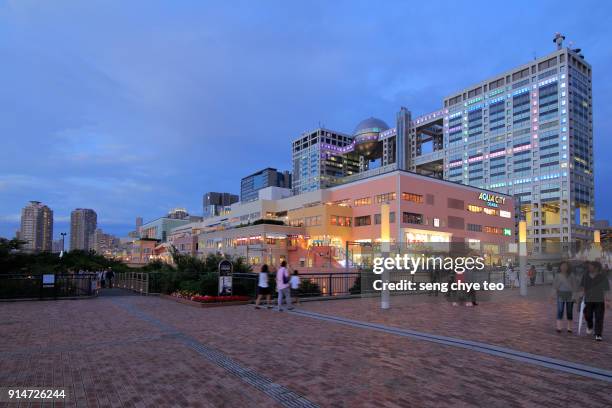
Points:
(523, 257)
(385, 246)
(63, 234)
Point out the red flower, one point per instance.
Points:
(214, 299)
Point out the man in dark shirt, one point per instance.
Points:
(595, 286)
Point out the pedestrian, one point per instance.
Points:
(434, 276)
(109, 277)
(263, 287)
(595, 287)
(531, 273)
(294, 282)
(510, 275)
(282, 287)
(564, 290)
(103, 279)
(452, 294)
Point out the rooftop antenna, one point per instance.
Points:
(558, 39)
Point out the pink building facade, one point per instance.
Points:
(425, 209)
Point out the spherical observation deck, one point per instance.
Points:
(366, 136)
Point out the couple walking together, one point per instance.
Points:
(285, 284)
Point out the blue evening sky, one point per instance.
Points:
(134, 107)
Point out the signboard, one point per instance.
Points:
(226, 270)
(492, 199)
(48, 281)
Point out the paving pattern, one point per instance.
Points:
(150, 352)
(506, 320)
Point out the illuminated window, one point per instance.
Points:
(312, 221)
(298, 222)
(436, 222)
(493, 230)
(474, 208)
(343, 203)
(383, 198)
(415, 198)
(362, 201)
(490, 211)
(340, 221)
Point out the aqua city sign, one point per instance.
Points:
(492, 199)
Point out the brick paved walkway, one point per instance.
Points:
(506, 319)
(132, 351)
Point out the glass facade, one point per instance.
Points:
(528, 133)
(269, 177)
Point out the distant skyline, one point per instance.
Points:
(135, 108)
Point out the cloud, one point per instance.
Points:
(10, 218)
(132, 112)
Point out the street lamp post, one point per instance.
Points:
(523, 257)
(385, 238)
(63, 234)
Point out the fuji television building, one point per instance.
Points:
(526, 132)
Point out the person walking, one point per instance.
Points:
(263, 287)
(282, 287)
(513, 276)
(294, 283)
(103, 278)
(564, 290)
(595, 287)
(109, 277)
(452, 294)
(531, 273)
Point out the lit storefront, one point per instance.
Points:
(314, 231)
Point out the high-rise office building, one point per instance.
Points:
(215, 203)
(268, 177)
(528, 132)
(320, 158)
(36, 227)
(136, 232)
(83, 223)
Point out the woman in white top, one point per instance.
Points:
(294, 283)
(512, 276)
(263, 287)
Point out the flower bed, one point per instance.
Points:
(213, 299)
(184, 294)
(207, 301)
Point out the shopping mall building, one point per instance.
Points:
(314, 229)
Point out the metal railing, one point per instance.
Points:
(311, 284)
(23, 286)
(328, 284)
(355, 283)
(145, 283)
